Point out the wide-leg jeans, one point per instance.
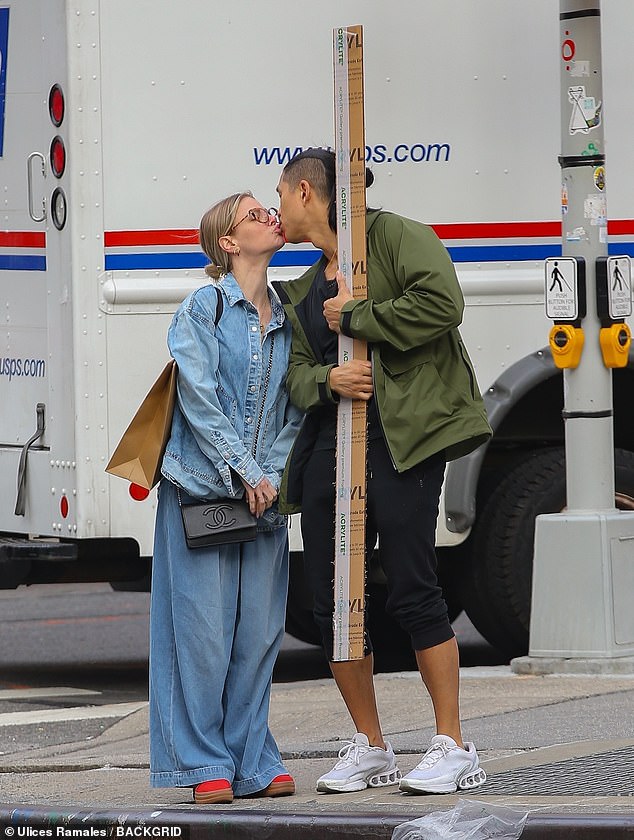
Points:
(216, 625)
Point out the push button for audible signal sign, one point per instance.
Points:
(566, 344)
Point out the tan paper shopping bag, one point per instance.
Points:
(140, 451)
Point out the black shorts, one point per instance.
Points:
(402, 508)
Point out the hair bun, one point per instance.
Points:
(369, 177)
(213, 271)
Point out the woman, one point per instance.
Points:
(217, 613)
(423, 408)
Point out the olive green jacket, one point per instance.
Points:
(424, 384)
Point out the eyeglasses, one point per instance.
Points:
(256, 214)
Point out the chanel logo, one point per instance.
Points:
(219, 516)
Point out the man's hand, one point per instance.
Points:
(352, 379)
(333, 306)
(260, 497)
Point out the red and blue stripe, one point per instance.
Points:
(22, 251)
(131, 250)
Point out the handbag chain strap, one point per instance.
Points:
(267, 379)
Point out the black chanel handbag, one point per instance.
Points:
(217, 523)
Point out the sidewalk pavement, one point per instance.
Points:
(560, 747)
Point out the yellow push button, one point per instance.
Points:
(615, 342)
(566, 344)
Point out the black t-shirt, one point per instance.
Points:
(325, 343)
(322, 336)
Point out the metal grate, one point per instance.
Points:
(602, 774)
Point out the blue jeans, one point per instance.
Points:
(216, 625)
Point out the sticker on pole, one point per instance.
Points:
(562, 297)
(586, 114)
(619, 287)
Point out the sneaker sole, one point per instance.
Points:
(328, 786)
(391, 777)
(470, 781)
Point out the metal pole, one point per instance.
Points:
(582, 563)
(588, 417)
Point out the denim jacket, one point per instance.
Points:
(232, 417)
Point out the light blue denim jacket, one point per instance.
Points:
(228, 421)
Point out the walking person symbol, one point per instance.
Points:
(557, 277)
(618, 278)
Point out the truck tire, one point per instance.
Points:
(501, 562)
(471, 578)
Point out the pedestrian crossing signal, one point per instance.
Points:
(614, 288)
(565, 291)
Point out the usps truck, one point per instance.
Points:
(121, 122)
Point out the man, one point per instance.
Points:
(423, 408)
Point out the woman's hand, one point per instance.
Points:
(260, 497)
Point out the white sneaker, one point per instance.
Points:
(445, 768)
(360, 766)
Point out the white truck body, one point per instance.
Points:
(169, 107)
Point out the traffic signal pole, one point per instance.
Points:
(588, 387)
(583, 569)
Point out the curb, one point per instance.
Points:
(201, 824)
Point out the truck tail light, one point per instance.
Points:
(58, 208)
(56, 105)
(58, 156)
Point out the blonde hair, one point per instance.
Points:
(215, 224)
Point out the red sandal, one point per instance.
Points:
(282, 785)
(215, 791)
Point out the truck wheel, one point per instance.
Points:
(502, 555)
(471, 577)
